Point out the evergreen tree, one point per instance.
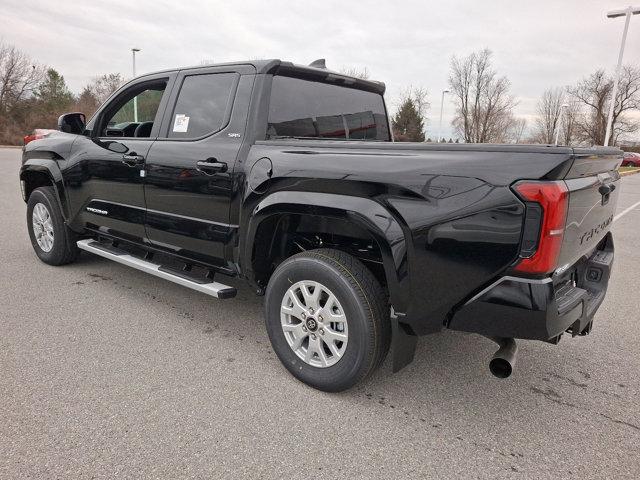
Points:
(408, 124)
(53, 94)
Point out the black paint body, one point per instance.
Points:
(444, 217)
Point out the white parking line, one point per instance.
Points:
(625, 211)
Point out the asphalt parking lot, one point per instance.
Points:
(108, 372)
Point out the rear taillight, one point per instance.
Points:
(553, 199)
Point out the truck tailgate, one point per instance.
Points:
(594, 184)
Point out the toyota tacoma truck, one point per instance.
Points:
(287, 177)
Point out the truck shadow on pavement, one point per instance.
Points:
(448, 379)
(445, 363)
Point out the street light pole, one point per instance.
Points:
(441, 109)
(562, 110)
(627, 12)
(135, 99)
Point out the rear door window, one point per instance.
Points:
(203, 105)
(304, 108)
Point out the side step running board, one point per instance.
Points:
(215, 289)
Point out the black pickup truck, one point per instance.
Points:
(287, 177)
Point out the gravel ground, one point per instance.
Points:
(107, 372)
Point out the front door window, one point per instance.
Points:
(134, 114)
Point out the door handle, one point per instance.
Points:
(132, 159)
(211, 166)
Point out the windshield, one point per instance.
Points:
(308, 109)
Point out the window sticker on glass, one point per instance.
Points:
(181, 123)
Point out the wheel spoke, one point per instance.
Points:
(310, 299)
(337, 317)
(318, 324)
(308, 356)
(42, 227)
(298, 340)
(321, 353)
(296, 309)
(329, 313)
(333, 336)
(332, 346)
(330, 303)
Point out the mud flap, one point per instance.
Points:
(403, 343)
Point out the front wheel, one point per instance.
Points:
(327, 318)
(52, 240)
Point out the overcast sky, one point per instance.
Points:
(536, 44)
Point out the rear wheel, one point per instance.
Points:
(327, 318)
(52, 240)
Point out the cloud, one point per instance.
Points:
(536, 44)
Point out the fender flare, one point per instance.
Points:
(50, 168)
(368, 214)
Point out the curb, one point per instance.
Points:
(629, 172)
(10, 146)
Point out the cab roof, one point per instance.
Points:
(279, 67)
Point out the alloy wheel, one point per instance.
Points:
(314, 323)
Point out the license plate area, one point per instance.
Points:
(581, 289)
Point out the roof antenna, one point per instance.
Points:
(320, 63)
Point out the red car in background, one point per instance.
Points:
(37, 134)
(631, 159)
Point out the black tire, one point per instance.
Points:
(64, 249)
(365, 306)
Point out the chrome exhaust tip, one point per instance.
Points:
(503, 361)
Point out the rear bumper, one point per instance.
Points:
(542, 309)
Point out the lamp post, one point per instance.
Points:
(626, 12)
(441, 109)
(563, 108)
(135, 99)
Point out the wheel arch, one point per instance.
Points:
(40, 172)
(364, 214)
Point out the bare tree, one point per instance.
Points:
(420, 96)
(19, 76)
(86, 102)
(627, 99)
(97, 91)
(483, 102)
(517, 130)
(104, 85)
(362, 73)
(594, 94)
(549, 109)
(569, 126)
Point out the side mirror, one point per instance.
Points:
(72, 123)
